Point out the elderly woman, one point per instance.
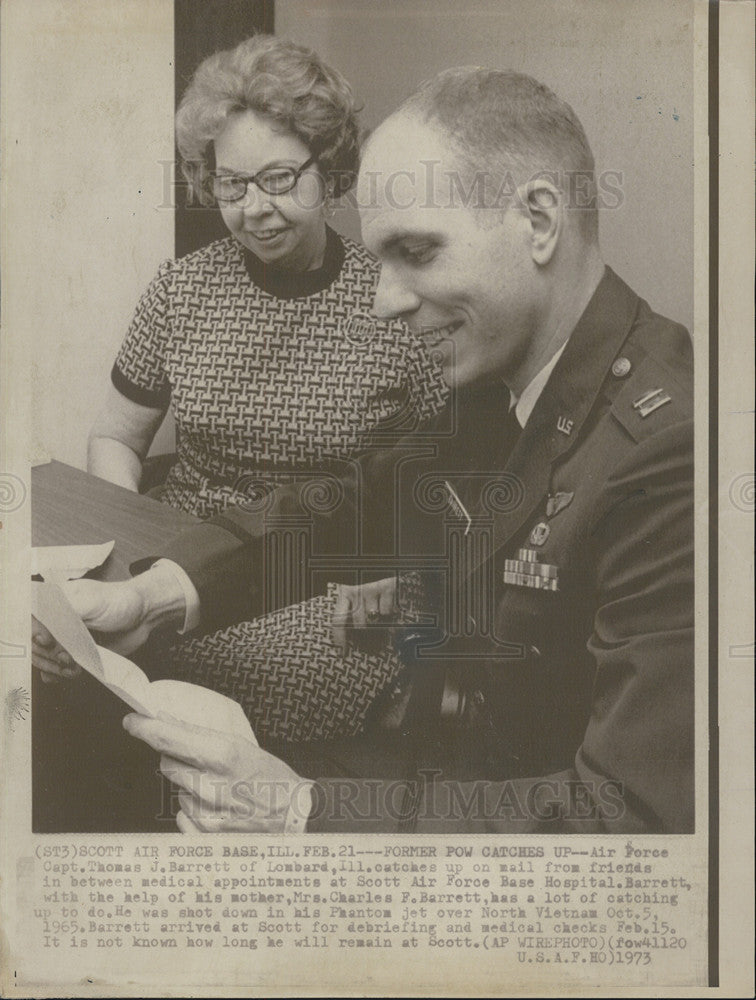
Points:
(262, 343)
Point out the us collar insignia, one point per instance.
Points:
(557, 503)
(527, 571)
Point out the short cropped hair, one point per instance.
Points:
(506, 123)
(285, 83)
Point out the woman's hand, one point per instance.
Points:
(358, 606)
(226, 782)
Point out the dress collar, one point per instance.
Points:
(298, 284)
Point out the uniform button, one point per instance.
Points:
(535, 652)
(621, 367)
(478, 698)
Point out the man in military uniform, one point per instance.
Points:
(556, 694)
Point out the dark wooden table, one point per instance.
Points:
(70, 507)
(88, 775)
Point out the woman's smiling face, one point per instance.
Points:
(286, 230)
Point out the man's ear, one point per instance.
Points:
(541, 203)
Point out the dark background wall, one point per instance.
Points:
(202, 27)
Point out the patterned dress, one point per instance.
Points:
(271, 375)
(267, 372)
(292, 682)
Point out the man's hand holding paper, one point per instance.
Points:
(189, 706)
(226, 782)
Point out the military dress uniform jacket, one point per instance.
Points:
(567, 615)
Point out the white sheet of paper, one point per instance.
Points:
(128, 681)
(200, 706)
(68, 562)
(185, 702)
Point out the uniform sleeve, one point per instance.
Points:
(227, 559)
(139, 369)
(634, 770)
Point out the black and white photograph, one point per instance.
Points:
(368, 435)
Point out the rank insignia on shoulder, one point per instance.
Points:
(526, 571)
(650, 401)
(557, 503)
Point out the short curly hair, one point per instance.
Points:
(286, 83)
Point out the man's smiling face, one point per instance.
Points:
(465, 281)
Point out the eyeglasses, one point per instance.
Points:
(227, 188)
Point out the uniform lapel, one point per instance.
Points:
(566, 401)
